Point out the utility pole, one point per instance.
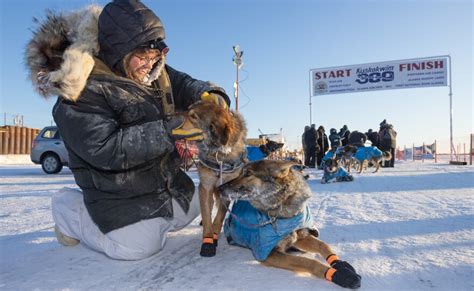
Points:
(237, 59)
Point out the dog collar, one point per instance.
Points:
(227, 167)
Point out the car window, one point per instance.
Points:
(50, 133)
(57, 135)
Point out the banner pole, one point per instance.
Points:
(450, 109)
(310, 87)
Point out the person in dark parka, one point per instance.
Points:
(115, 112)
(357, 138)
(323, 145)
(335, 139)
(373, 137)
(387, 142)
(344, 133)
(305, 147)
(312, 147)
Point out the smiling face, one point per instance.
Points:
(139, 63)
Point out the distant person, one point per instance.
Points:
(373, 137)
(357, 138)
(305, 147)
(311, 138)
(344, 133)
(388, 141)
(335, 139)
(323, 145)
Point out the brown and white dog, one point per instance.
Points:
(222, 155)
(271, 217)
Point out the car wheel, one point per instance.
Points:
(51, 164)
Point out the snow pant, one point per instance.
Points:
(132, 242)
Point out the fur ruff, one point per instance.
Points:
(59, 57)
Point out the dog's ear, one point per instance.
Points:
(226, 134)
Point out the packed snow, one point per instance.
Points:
(404, 228)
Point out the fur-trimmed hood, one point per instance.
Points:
(60, 56)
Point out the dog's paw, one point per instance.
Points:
(208, 250)
(345, 278)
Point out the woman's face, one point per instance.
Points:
(141, 63)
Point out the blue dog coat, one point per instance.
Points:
(340, 175)
(366, 153)
(254, 153)
(331, 153)
(328, 156)
(251, 229)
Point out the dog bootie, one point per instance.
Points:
(64, 239)
(208, 249)
(344, 277)
(342, 273)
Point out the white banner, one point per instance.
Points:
(412, 73)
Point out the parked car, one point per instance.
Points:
(48, 150)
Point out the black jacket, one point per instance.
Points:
(357, 138)
(310, 138)
(373, 137)
(323, 142)
(335, 140)
(387, 138)
(119, 151)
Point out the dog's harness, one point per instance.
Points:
(223, 167)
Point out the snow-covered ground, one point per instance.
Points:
(405, 228)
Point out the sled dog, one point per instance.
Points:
(371, 155)
(222, 155)
(334, 172)
(271, 217)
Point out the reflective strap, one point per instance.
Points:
(329, 273)
(331, 258)
(208, 240)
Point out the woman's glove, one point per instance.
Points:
(179, 127)
(213, 97)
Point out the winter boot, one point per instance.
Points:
(64, 239)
